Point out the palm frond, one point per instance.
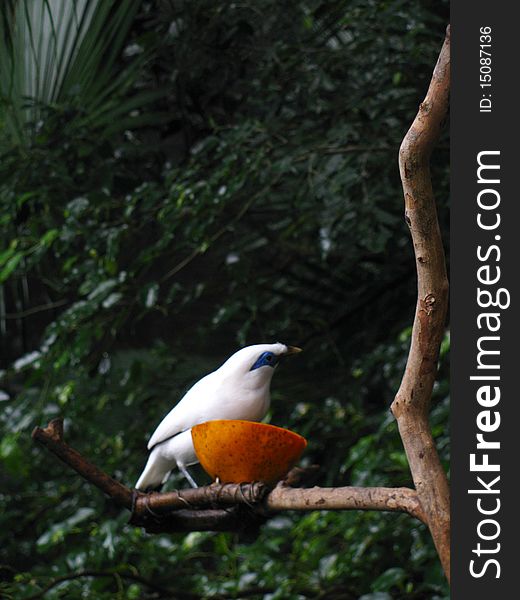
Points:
(67, 53)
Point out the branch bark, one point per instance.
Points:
(345, 498)
(225, 507)
(412, 402)
(162, 591)
(52, 438)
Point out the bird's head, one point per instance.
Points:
(258, 361)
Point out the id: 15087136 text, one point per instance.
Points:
(485, 103)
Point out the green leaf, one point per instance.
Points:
(391, 578)
(49, 237)
(10, 266)
(59, 531)
(6, 255)
(12, 456)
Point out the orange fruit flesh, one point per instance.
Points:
(243, 451)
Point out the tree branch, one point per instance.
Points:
(36, 309)
(225, 507)
(412, 402)
(345, 498)
(52, 438)
(164, 592)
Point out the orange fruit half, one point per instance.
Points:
(244, 451)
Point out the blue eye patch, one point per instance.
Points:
(266, 359)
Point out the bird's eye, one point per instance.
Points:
(269, 358)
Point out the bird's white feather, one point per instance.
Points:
(187, 412)
(233, 391)
(230, 390)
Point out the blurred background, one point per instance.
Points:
(179, 179)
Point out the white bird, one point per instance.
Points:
(239, 389)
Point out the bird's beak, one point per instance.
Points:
(292, 350)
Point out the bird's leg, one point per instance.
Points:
(190, 479)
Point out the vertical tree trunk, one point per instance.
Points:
(412, 402)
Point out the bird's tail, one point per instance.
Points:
(155, 473)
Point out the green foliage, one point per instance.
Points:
(138, 250)
(69, 54)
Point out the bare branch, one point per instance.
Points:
(225, 507)
(36, 309)
(52, 438)
(345, 498)
(164, 592)
(412, 402)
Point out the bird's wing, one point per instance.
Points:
(190, 411)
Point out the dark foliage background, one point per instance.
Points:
(178, 179)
